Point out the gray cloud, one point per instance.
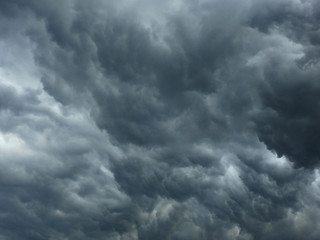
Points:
(149, 120)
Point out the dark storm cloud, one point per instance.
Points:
(47, 164)
(289, 122)
(289, 92)
(155, 120)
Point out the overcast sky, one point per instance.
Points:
(160, 120)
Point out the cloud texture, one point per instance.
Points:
(137, 119)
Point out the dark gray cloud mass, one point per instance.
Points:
(137, 119)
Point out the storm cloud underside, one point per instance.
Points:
(137, 119)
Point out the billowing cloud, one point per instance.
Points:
(159, 120)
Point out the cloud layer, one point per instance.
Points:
(137, 119)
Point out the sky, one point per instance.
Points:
(162, 120)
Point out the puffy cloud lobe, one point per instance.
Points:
(148, 120)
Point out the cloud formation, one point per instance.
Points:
(159, 120)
